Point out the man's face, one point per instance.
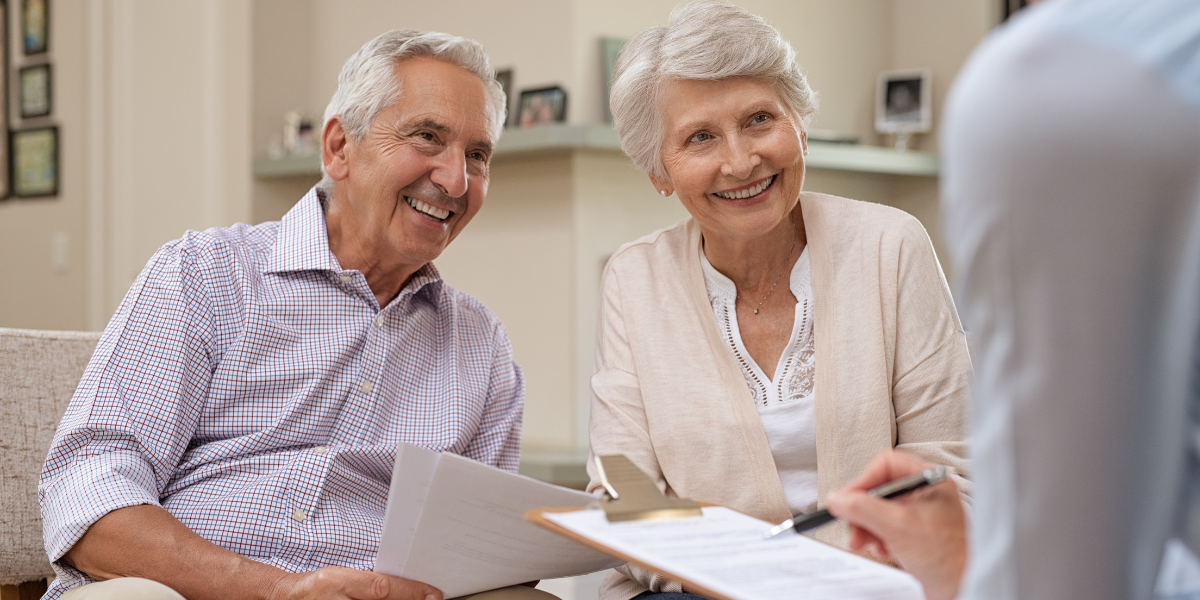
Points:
(421, 172)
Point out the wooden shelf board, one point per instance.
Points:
(554, 139)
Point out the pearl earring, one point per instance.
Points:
(663, 192)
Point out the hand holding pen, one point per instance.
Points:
(924, 531)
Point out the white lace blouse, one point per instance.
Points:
(785, 404)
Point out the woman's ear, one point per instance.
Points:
(333, 149)
(663, 187)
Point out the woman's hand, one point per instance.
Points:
(925, 531)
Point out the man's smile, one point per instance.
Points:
(428, 210)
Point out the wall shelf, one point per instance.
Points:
(554, 139)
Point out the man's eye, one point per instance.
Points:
(425, 135)
(479, 156)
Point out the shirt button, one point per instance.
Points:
(367, 387)
(320, 449)
(346, 277)
(299, 516)
(379, 321)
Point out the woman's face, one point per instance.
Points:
(734, 154)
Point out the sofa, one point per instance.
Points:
(38, 374)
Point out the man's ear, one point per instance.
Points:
(333, 149)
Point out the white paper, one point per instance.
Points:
(459, 526)
(725, 551)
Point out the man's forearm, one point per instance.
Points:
(147, 541)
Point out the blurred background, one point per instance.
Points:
(174, 115)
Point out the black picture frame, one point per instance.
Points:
(505, 77)
(35, 169)
(1008, 8)
(5, 115)
(541, 106)
(35, 91)
(35, 26)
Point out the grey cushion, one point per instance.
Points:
(38, 374)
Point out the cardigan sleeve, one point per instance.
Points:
(618, 422)
(931, 367)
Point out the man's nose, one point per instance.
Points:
(739, 158)
(450, 174)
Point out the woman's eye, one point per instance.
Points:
(762, 118)
(700, 137)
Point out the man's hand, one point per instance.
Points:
(925, 531)
(337, 583)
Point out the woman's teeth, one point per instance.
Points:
(432, 211)
(748, 192)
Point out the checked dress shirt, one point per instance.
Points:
(253, 388)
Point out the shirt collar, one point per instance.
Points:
(303, 245)
(303, 241)
(798, 281)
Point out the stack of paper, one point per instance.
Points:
(459, 526)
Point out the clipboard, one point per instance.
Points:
(537, 516)
(630, 495)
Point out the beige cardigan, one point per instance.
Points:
(891, 358)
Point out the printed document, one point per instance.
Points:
(459, 526)
(725, 551)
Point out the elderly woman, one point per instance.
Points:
(760, 353)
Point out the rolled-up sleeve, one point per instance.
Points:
(137, 406)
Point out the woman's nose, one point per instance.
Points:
(740, 159)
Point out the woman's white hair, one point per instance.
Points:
(367, 83)
(706, 40)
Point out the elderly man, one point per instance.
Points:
(234, 434)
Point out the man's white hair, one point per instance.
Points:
(705, 40)
(367, 83)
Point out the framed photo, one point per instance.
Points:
(35, 26)
(542, 106)
(1008, 8)
(35, 162)
(5, 164)
(33, 91)
(904, 102)
(610, 49)
(505, 77)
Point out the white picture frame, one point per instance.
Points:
(904, 101)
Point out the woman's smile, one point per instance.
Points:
(749, 191)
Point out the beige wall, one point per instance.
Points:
(35, 294)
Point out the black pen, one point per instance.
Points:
(891, 489)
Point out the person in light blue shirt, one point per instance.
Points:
(1071, 189)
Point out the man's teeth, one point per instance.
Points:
(433, 211)
(748, 192)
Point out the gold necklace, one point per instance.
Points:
(777, 277)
